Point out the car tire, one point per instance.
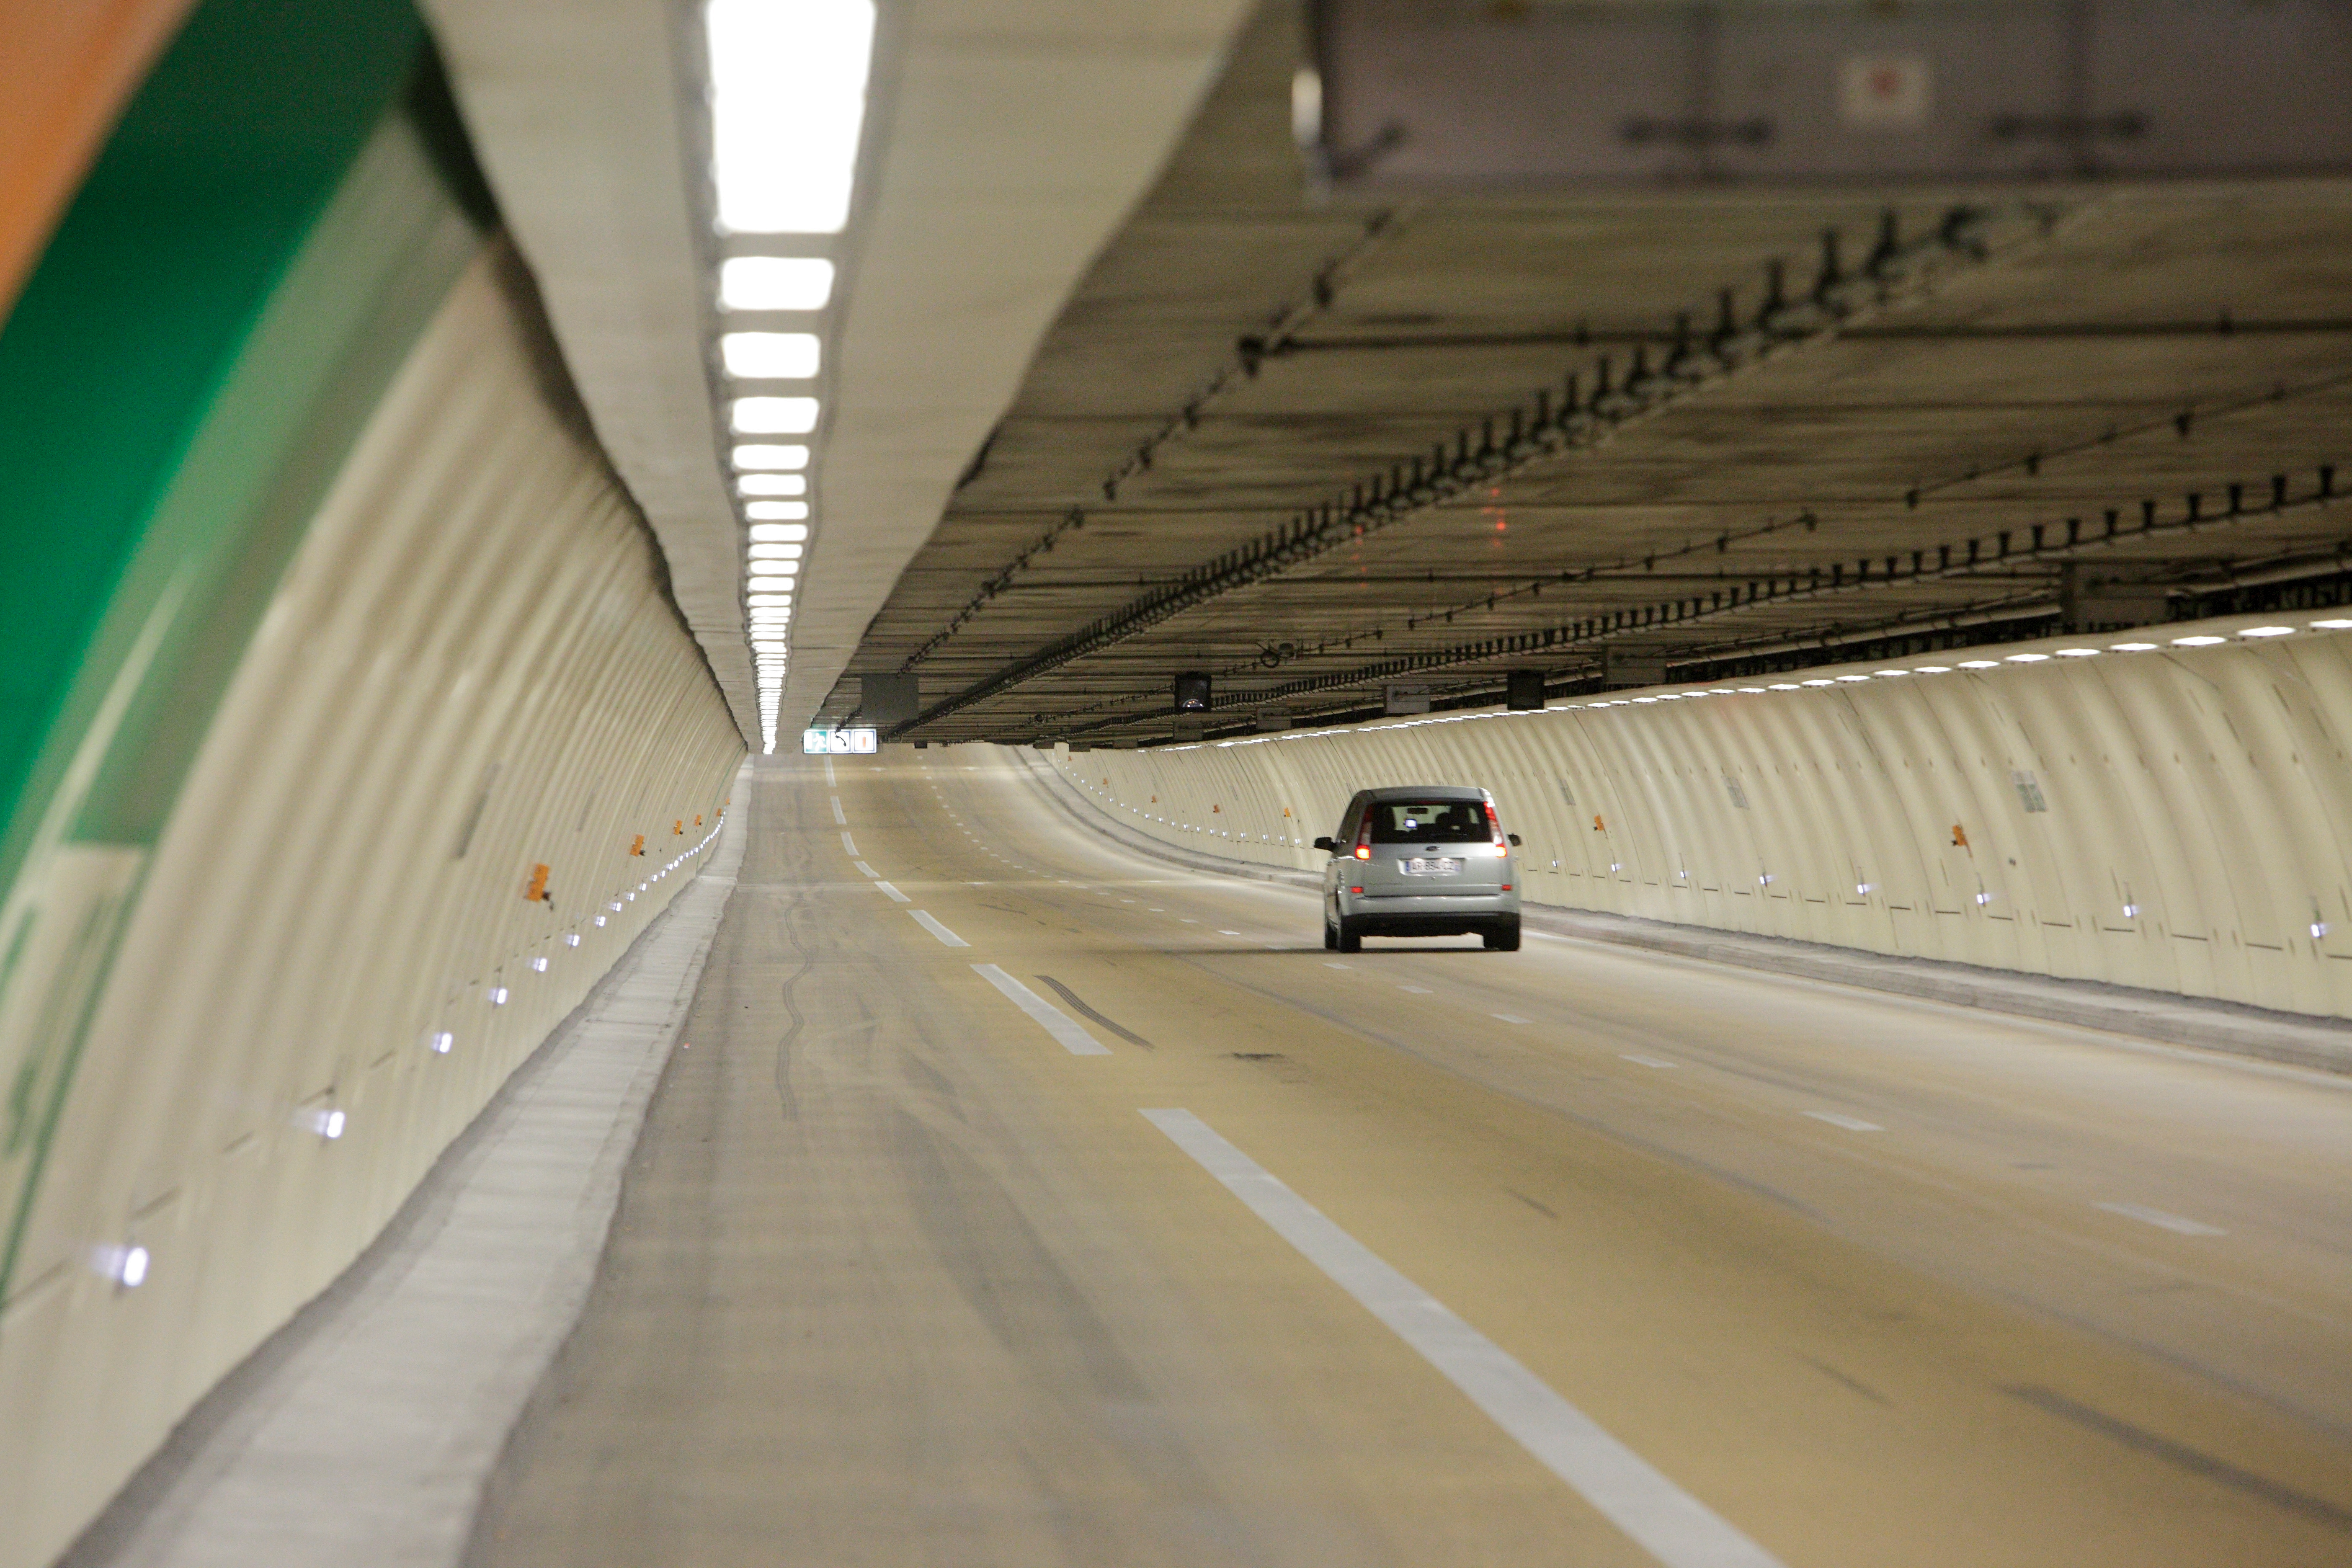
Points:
(1504, 938)
(1330, 933)
(1351, 939)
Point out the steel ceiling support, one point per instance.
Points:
(1897, 273)
(1980, 558)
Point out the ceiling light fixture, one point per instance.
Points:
(787, 102)
(774, 416)
(774, 283)
(772, 485)
(758, 454)
(768, 356)
(776, 510)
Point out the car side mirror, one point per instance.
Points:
(1514, 838)
(1324, 843)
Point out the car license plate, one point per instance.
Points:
(1435, 867)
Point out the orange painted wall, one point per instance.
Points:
(67, 67)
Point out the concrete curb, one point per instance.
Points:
(364, 1430)
(2321, 1045)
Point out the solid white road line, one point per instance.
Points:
(1851, 1123)
(937, 929)
(894, 895)
(1668, 1523)
(1058, 1023)
(864, 869)
(849, 844)
(1645, 1062)
(837, 817)
(2163, 1221)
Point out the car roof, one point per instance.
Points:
(1429, 792)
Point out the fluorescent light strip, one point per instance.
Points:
(758, 454)
(787, 103)
(768, 356)
(774, 283)
(773, 415)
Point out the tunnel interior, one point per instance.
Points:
(682, 690)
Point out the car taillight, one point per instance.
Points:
(1364, 838)
(1494, 827)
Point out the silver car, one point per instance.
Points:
(1426, 860)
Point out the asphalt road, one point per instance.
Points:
(1080, 1210)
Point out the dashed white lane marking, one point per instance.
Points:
(2163, 1221)
(828, 772)
(1223, 932)
(1851, 1123)
(894, 895)
(1669, 1523)
(937, 929)
(864, 869)
(849, 844)
(1513, 1018)
(1156, 910)
(1335, 964)
(1058, 1023)
(837, 817)
(1645, 1062)
(1418, 990)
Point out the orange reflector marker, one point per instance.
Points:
(639, 846)
(678, 825)
(537, 891)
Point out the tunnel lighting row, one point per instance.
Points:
(787, 108)
(2258, 633)
(127, 1264)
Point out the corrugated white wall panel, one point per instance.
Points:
(2005, 817)
(471, 668)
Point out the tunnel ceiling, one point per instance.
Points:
(1314, 448)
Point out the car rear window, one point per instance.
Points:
(1429, 822)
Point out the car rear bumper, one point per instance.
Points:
(1430, 914)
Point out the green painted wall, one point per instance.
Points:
(131, 326)
(286, 203)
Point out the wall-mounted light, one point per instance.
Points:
(125, 1265)
(498, 996)
(539, 965)
(440, 1041)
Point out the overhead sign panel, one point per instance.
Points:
(1466, 93)
(862, 741)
